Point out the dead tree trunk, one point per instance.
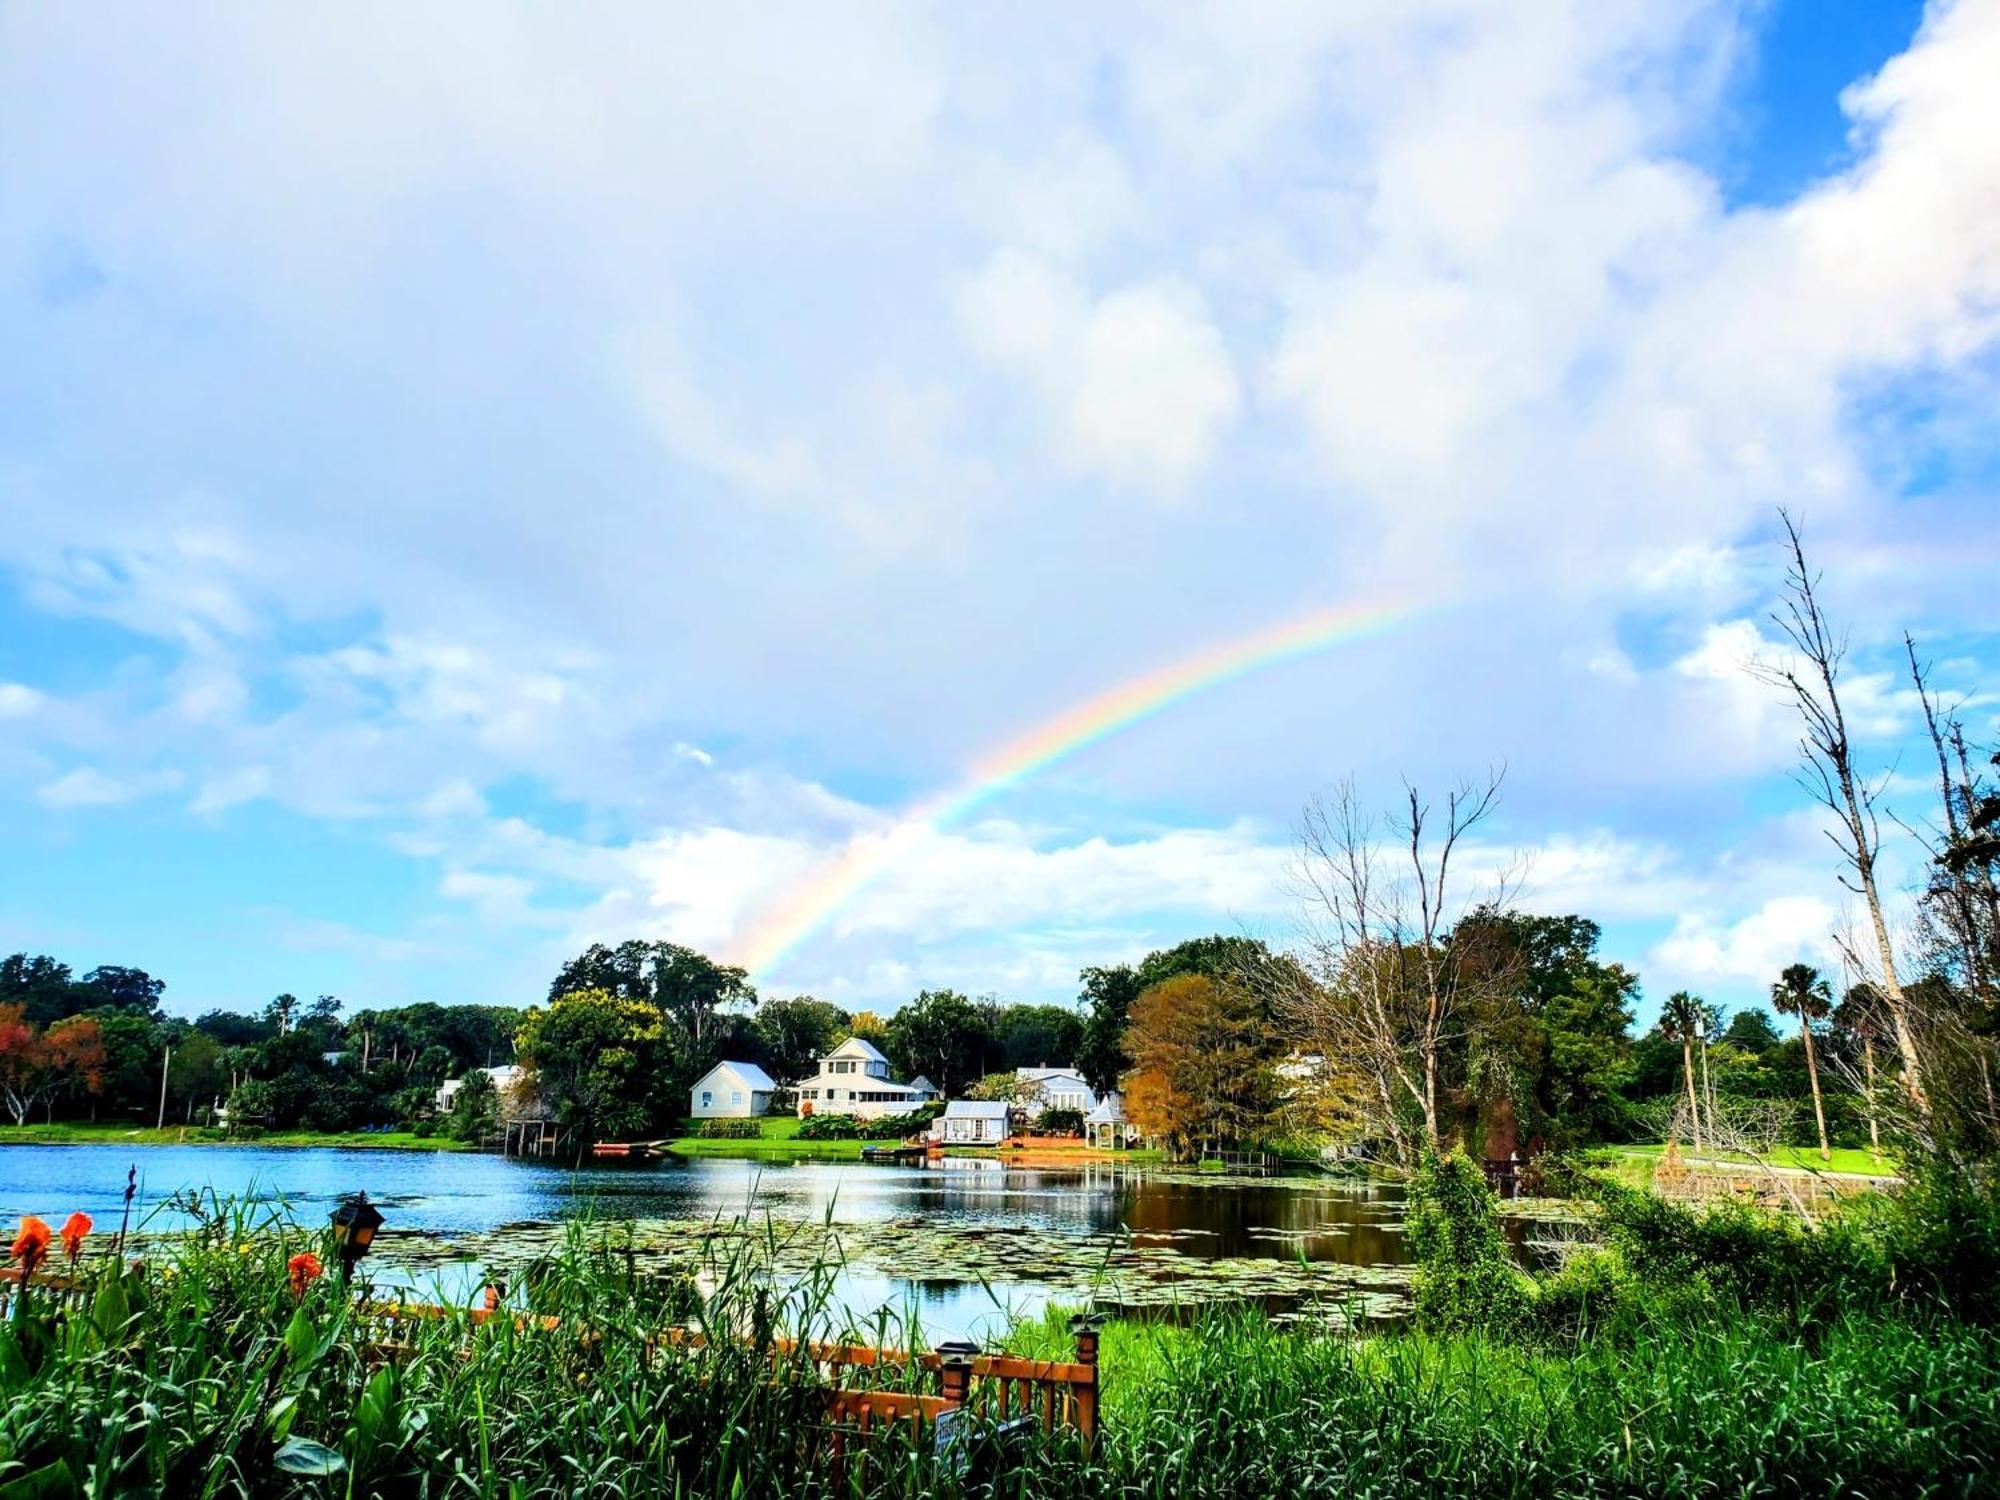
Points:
(1827, 772)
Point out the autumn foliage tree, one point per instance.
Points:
(1203, 1052)
(36, 1065)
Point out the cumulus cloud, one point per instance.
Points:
(1139, 384)
(680, 379)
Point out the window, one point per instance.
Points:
(735, 1097)
(707, 1099)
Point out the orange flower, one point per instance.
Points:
(31, 1245)
(301, 1269)
(75, 1227)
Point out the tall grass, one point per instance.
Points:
(200, 1375)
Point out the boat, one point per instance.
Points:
(892, 1153)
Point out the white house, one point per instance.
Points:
(853, 1079)
(503, 1079)
(1062, 1088)
(972, 1122)
(731, 1091)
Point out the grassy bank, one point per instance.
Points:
(66, 1133)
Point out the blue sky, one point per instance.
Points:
(479, 482)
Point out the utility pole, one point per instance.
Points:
(166, 1055)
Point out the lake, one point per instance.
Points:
(967, 1243)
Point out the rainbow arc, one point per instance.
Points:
(832, 887)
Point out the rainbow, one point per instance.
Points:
(830, 888)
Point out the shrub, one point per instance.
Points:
(1465, 1278)
(729, 1130)
(1060, 1122)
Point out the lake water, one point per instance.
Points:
(1195, 1229)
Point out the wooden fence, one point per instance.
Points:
(865, 1387)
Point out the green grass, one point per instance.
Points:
(117, 1133)
(779, 1140)
(191, 1375)
(1845, 1159)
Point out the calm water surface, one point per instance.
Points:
(1356, 1223)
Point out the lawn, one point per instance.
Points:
(779, 1140)
(1845, 1159)
(122, 1133)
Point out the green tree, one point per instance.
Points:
(1032, 1036)
(1682, 1019)
(594, 1059)
(798, 1032)
(475, 1108)
(1107, 999)
(1751, 1031)
(943, 1036)
(1802, 992)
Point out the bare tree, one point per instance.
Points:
(1827, 772)
(1381, 984)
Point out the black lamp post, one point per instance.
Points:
(354, 1226)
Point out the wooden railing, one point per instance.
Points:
(1004, 1388)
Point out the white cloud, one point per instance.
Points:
(86, 786)
(1751, 950)
(1140, 385)
(17, 700)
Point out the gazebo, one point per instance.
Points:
(1106, 1125)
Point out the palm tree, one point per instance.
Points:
(1680, 1020)
(1860, 1015)
(1801, 992)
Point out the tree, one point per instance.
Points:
(197, 1072)
(1010, 1087)
(594, 1058)
(1107, 998)
(35, 1064)
(1031, 1036)
(1827, 772)
(40, 985)
(282, 1013)
(798, 1032)
(1751, 1031)
(1683, 1018)
(943, 1036)
(1387, 987)
(475, 1108)
(1859, 1015)
(114, 987)
(1202, 1062)
(1801, 992)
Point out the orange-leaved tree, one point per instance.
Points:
(35, 1065)
(1202, 1055)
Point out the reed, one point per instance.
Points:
(203, 1374)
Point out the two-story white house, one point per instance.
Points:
(853, 1079)
(1061, 1088)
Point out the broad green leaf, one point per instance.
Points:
(304, 1456)
(49, 1482)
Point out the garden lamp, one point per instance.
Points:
(354, 1226)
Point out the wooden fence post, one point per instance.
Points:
(1084, 1326)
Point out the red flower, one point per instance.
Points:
(75, 1227)
(301, 1269)
(31, 1245)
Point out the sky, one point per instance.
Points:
(479, 480)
